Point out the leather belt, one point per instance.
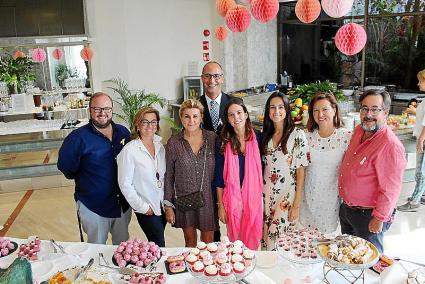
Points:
(358, 208)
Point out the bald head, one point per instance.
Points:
(212, 79)
(212, 63)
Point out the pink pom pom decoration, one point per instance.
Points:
(264, 10)
(38, 55)
(350, 39)
(307, 11)
(238, 19)
(337, 8)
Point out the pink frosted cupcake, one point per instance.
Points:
(221, 258)
(203, 254)
(208, 260)
(225, 270)
(211, 271)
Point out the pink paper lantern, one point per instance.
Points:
(18, 54)
(337, 8)
(221, 33)
(264, 10)
(86, 53)
(224, 5)
(38, 55)
(57, 53)
(307, 11)
(350, 38)
(238, 19)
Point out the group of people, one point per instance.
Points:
(218, 168)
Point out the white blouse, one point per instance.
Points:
(137, 175)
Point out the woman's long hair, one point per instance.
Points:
(228, 133)
(268, 125)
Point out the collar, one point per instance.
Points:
(209, 100)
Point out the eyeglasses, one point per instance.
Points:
(373, 110)
(209, 76)
(100, 109)
(146, 122)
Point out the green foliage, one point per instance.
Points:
(307, 91)
(175, 127)
(131, 101)
(15, 72)
(61, 73)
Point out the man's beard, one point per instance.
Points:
(373, 128)
(102, 125)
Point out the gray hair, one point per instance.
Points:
(384, 94)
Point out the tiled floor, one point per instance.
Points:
(50, 213)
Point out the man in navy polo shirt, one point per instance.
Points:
(88, 156)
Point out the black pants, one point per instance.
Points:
(356, 222)
(153, 226)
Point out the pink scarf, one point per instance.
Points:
(244, 206)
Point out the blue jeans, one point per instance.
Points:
(419, 177)
(356, 222)
(153, 226)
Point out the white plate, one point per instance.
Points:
(76, 248)
(41, 269)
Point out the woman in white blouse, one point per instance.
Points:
(141, 168)
(327, 140)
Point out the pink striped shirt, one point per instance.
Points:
(371, 172)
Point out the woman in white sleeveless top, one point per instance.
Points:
(327, 141)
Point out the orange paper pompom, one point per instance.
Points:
(221, 33)
(86, 54)
(238, 19)
(18, 54)
(57, 53)
(264, 10)
(307, 11)
(224, 5)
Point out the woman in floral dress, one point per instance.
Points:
(327, 141)
(285, 154)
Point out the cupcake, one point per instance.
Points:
(191, 259)
(238, 267)
(212, 247)
(194, 251)
(211, 271)
(198, 267)
(221, 258)
(201, 246)
(204, 253)
(222, 249)
(237, 250)
(238, 243)
(236, 258)
(208, 260)
(225, 270)
(248, 254)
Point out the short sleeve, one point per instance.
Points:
(300, 151)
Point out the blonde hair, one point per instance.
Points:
(421, 75)
(191, 103)
(139, 117)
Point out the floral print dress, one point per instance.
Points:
(279, 184)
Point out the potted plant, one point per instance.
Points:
(61, 73)
(131, 101)
(15, 72)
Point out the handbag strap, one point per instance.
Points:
(203, 170)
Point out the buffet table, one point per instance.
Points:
(76, 254)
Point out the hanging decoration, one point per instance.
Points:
(38, 55)
(86, 53)
(238, 19)
(350, 38)
(206, 33)
(264, 10)
(57, 53)
(337, 8)
(221, 33)
(223, 6)
(18, 54)
(307, 11)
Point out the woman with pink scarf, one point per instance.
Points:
(238, 177)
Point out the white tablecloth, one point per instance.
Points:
(79, 254)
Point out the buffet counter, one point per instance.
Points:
(270, 268)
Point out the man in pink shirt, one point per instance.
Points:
(371, 172)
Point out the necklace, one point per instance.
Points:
(155, 163)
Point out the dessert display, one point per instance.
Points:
(30, 250)
(137, 252)
(350, 251)
(7, 247)
(223, 261)
(67, 276)
(296, 245)
(145, 278)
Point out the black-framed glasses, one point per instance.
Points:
(209, 76)
(373, 110)
(100, 109)
(146, 122)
